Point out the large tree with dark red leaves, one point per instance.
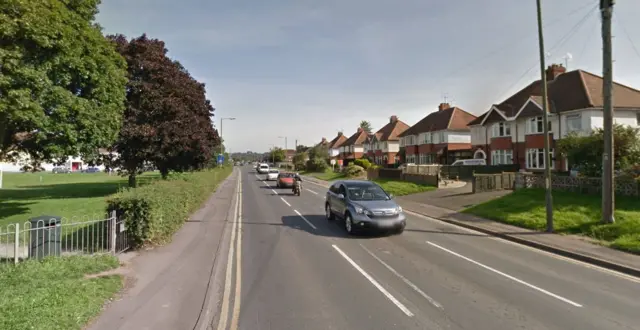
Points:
(168, 119)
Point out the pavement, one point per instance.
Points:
(281, 265)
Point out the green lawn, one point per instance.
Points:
(573, 214)
(54, 294)
(25, 195)
(401, 188)
(328, 175)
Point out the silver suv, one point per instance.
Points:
(364, 205)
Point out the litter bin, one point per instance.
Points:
(45, 236)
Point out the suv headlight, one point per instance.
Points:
(359, 210)
(399, 209)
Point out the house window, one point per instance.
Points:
(501, 129)
(402, 142)
(441, 137)
(427, 138)
(501, 157)
(534, 125)
(574, 123)
(423, 159)
(535, 158)
(638, 119)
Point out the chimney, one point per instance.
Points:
(324, 140)
(393, 119)
(340, 133)
(554, 70)
(444, 106)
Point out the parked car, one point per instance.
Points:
(61, 169)
(285, 180)
(467, 162)
(273, 174)
(91, 170)
(364, 205)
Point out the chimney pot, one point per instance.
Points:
(393, 119)
(444, 106)
(554, 70)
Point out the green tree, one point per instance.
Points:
(299, 160)
(276, 155)
(62, 85)
(585, 152)
(366, 126)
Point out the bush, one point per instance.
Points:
(317, 164)
(364, 163)
(354, 170)
(154, 212)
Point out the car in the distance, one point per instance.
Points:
(61, 169)
(285, 180)
(263, 168)
(272, 175)
(364, 205)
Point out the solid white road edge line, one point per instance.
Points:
(224, 310)
(285, 201)
(507, 275)
(374, 282)
(235, 316)
(305, 219)
(405, 280)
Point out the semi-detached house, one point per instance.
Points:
(383, 147)
(512, 132)
(334, 148)
(442, 137)
(353, 147)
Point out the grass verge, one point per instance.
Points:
(54, 294)
(573, 214)
(25, 195)
(328, 175)
(402, 188)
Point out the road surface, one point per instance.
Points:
(290, 268)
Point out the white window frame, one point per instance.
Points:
(427, 138)
(533, 125)
(503, 126)
(441, 137)
(574, 128)
(637, 118)
(533, 157)
(502, 157)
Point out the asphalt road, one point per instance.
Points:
(292, 269)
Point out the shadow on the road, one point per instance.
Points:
(325, 228)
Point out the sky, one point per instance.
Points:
(306, 69)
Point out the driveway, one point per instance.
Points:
(455, 199)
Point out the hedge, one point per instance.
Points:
(154, 212)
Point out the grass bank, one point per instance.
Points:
(25, 195)
(54, 293)
(328, 175)
(573, 214)
(402, 188)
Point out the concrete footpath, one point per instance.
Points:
(571, 246)
(174, 286)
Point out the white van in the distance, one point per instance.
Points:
(263, 168)
(467, 162)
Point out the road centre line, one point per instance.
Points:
(305, 219)
(311, 191)
(570, 302)
(374, 282)
(285, 201)
(405, 280)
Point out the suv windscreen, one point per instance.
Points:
(366, 192)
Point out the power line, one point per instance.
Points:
(624, 30)
(515, 41)
(558, 44)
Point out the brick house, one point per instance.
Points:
(384, 145)
(334, 147)
(512, 132)
(369, 152)
(442, 137)
(353, 147)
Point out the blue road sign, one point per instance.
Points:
(220, 158)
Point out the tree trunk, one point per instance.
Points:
(165, 173)
(133, 183)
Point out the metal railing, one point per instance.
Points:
(55, 236)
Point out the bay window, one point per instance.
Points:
(501, 157)
(536, 159)
(427, 138)
(534, 125)
(441, 137)
(501, 129)
(574, 123)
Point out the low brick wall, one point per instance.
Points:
(373, 174)
(431, 180)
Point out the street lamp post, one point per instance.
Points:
(221, 119)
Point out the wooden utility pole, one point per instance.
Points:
(545, 124)
(608, 198)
